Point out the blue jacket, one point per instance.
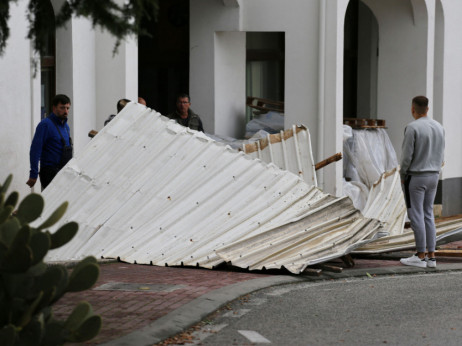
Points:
(47, 146)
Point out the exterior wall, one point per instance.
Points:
(230, 82)
(214, 17)
(402, 70)
(452, 84)
(451, 107)
(419, 53)
(300, 23)
(20, 99)
(410, 62)
(86, 71)
(329, 126)
(75, 77)
(116, 75)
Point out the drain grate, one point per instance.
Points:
(138, 287)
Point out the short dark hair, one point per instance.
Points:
(60, 99)
(420, 104)
(121, 104)
(182, 95)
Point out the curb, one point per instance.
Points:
(193, 312)
(196, 310)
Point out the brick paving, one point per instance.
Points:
(126, 311)
(157, 291)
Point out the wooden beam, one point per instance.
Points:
(448, 253)
(328, 268)
(348, 261)
(312, 272)
(327, 161)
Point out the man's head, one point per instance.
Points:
(419, 106)
(141, 101)
(121, 104)
(183, 102)
(61, 105)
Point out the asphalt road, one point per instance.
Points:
(423, 309)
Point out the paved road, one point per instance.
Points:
(423, 308)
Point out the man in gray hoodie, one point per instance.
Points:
(421, 160)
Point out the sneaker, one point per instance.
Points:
(431, 262)
(415, 261)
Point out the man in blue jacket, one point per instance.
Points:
(52, 143)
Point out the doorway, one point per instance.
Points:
(163, 56)
(361, 53)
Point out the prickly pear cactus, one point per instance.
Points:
(29, 287)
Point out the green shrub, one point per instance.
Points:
(29, 287)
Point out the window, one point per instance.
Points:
(265, 66)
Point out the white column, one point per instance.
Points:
(116, 75)
(230, 61)
(332, 136)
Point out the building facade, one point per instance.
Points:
(324, 59)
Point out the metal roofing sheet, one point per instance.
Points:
(386, 202)
(289, 149)
(148, 190)
(446, 232)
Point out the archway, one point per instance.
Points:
(360, 61)
(163, 56)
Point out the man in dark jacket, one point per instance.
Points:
(52, 143)
(184, 115)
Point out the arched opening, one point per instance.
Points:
(361, 50)
(48, 62)
(163, 56)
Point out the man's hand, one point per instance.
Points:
(31, 182)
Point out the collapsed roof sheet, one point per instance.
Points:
(386, 203)
(446, 232)
(289, 149)
(148, 190)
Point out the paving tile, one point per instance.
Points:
(125, 307)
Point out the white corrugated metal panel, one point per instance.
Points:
(148, 190)
(386, 203)
(330, 230)
(446, 232)
(289, 149)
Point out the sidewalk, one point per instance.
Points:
(143, 305)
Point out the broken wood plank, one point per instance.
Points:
(328, 268)
(348, 261)
(327, 161)
(312, 271)
(448, 253)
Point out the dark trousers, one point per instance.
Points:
(47, 174)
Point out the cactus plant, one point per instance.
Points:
(29, 287)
